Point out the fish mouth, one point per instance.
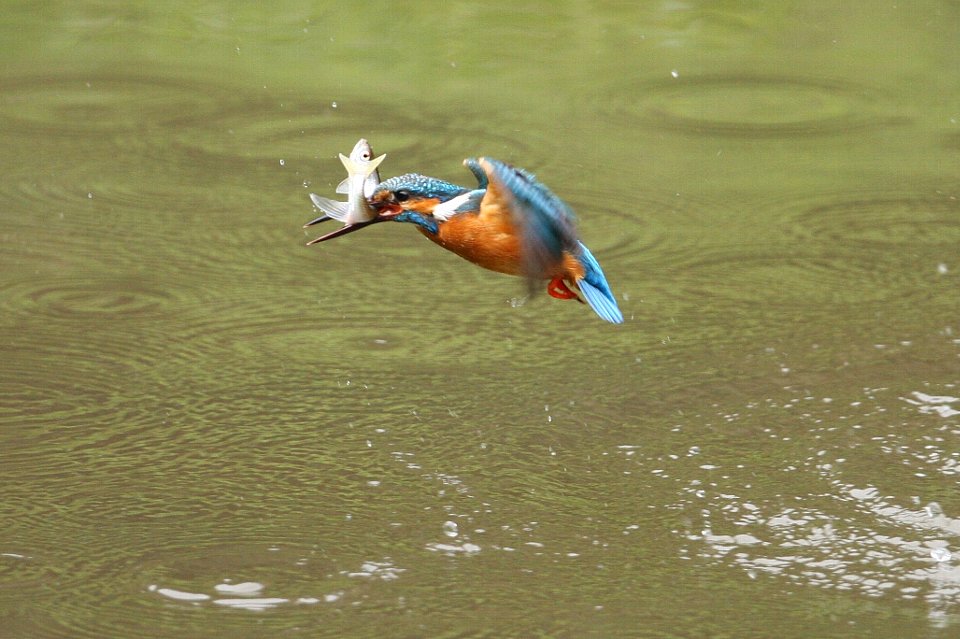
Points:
(384, 216)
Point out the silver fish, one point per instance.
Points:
(362, 152)
(362, 178)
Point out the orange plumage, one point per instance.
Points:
(490, 238)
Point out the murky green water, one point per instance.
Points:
(376, 434)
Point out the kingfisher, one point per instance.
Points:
(510, 223)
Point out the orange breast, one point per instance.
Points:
(493, 242)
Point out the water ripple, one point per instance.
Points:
(105, 594)
(101, 103)
(830, 249)
(295, 130)
(88, 299)
(756, 106)
(883, 220)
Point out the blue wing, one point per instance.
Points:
(474, 165)
(548, 229)
(547, 225)
(595, 288)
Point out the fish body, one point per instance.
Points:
(362, 152)
(362, 179)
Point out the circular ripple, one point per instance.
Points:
(791, 279)
(884, 220)
(89, 299)
(294, 130)
(82, 104)
(325, 313)
(831, 250)
(635, 225)
(111, 592)
(75, 193)
(754, 106)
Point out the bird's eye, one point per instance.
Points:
(401, 195)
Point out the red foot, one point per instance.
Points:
(558, 288)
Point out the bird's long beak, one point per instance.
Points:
(384, 216)
(343, 230)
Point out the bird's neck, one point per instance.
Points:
(426, 223)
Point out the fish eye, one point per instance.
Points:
(402, 195)
(365, 156)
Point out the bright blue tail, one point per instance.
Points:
(595, 288)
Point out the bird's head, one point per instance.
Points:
(422, 200)
(412, 193)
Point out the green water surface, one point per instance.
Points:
(208, 429)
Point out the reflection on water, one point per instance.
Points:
(207, 426)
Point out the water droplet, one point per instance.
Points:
(675, 73)
(940, 555)
(255, 604)
(244, 588)
(282, 162)
(450, 529)
(181, 595)
(89, 196)
(333, 105)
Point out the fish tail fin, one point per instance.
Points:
(593, 285)
(334, 209)
(354, 168)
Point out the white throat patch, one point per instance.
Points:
(447, 209)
